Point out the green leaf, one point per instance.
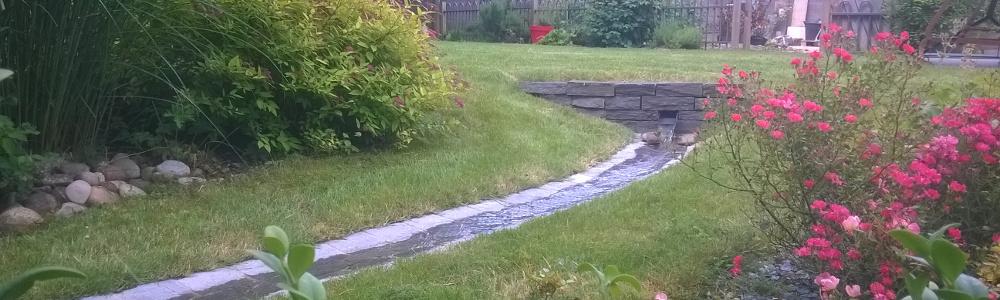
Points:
(972, 286)
(948, 260)
(586, 267)
(300, 258)
(912, 241)
(272, 262)
(23, 282)
(311, 287)
(275, 241)
(953, 295)
(940, 232)
(915, 284)
(628, 280)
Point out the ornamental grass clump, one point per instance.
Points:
(847, 153)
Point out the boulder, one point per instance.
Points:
(652, 138)
(129, 166)
(113, 172)
(69, 209)
(163, 178)
(127, 190)
(78, 192)
(18, 218)
(191, 180)
(57, 179)
(41, 202)
(93, 178)
(687, 139)
(73, 169)
(174, 168)
(100, 195)
(139, 183)
(60, 193)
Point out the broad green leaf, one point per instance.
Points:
(947, 259)
(4, 73)
(272, 262)
(912, 241)
(611, 271)
(275, 241)
(628, 280)
(300, 258)
(23, 282)
(940, 232)
(310, 286)
(972, 286)
(953, 295)
(916, 284)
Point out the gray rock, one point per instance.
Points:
(18, 218)
(100, 195)
(197, 172)
(681, 89)
(667, 103)
(173, 167)
(687, 139)
(60, 193)
(73, 169)
(69, 209)
(41, 202)
(635, 89)
(128, 165)
(92, 178)
(621, 102)
(589, 102)
(652, 138)
(113, 172)
(57, 179)
(147, 173)
(635, 115)
(78, 192)
(139, 183)
(590, 88)
(163, 178)
(544, 88)
(191, 180)
(127, 190)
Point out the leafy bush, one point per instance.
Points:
(284, 77)
(558, 37)
(847, 153)
(937, 268)
(16, 164)
(619, 23)
(914, 15)
(498, 23)
(677, 35)
(291, 262)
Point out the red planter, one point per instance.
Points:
(538, 32)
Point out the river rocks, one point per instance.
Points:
(174, 168)
(147, 173)
(56, 179)
(19, 218)
(69, 209)
(687, 139)
(100, 195)
(127, 165)
(652, 138)
(191, 180)
(127, 190)
(78, 192)
(41, 202)
(73, 169)
(113, 172)
(92, 178)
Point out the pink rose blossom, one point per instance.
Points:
(823, 127)
(661, 296)
(826, 282)
(763, 123)
(735, 117)
(853, 291)
(851, 223)
(956, 186)
(849, 118)
(794, 117)
(864, 102)
(710, 115)
(777, 134)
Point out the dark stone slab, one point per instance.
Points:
(691, 115)
(597, 112)
(667, 103)
(590, 88)
(588, 102)
(544, 88)
(686, 126)
(620, 102)
(561, 99)
(640, 126)
(635, 89)
(635, 115)
(680, 89)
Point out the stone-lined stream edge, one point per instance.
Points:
(201, 284)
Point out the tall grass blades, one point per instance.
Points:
(61, 51)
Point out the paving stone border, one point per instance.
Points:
(201, 282)
(641, 106)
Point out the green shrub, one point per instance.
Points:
(558, 37)
(15, 164)
(619, 23)
(913, 16)
(276, 78)
(498, 23)
(676, 35)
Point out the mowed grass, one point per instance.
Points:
(673, 231)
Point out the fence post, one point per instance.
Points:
(444, 18)
(747, 19)
(533, 20)
(734, 24)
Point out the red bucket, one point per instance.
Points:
(538, 32)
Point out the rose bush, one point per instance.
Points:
(848, 152)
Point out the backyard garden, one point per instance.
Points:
(148, 146)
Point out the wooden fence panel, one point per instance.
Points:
(864, 17)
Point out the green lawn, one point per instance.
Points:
(666, 229)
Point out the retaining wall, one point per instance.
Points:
(641, 106)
